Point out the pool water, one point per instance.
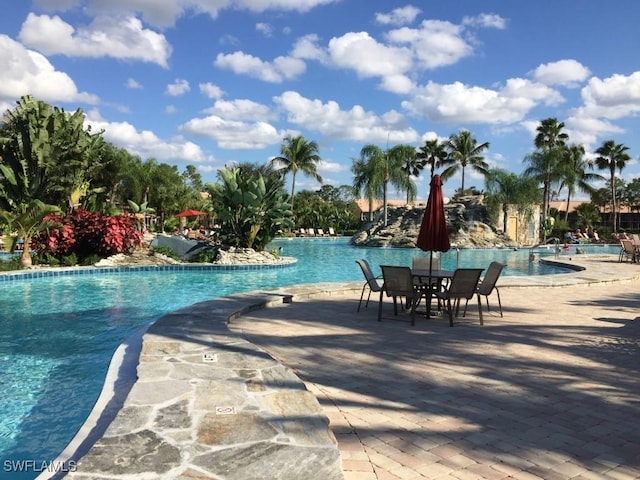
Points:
(57, 334)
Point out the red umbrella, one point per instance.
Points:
(190, 213)
(433, 235)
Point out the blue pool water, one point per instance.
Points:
(57, 334)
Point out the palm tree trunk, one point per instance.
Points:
(384, 202)
(566, 214)
(505, 212)
(613, 203)
(293, 186)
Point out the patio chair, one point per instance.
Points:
(371, 281)
(488, 284)
(398, 282)
(628, 251)
(464, 285)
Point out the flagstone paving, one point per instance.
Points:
(299, 386)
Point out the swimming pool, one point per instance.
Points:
(57, 334)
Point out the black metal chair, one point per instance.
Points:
(464, 285)
(398, 282)
(488, 284)
(371, 281)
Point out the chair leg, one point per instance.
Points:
(362, 295)
(368, 298)
(450, 312)
(380, 307)
(480, 310)
(499, 302)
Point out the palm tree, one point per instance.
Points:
(612, 156)
(384, 167)
(544, 164)
(506, 189)
(433, 153)
(464, 151)
(298, 155)
(573, 173)
(363, 182)
(411, 166)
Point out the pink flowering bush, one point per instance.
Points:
(85, 233)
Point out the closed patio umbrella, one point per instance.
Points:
(433, 235)
(190, 213)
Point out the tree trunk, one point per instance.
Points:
(25, 259)
(613, 204)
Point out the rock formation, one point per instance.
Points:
(467, 222)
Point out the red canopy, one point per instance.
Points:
(190, 213)
(433, 235)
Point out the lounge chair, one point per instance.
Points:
(311, 232)
(320, 232)
(371, 281)
(398, 282)
(628, 251)
(332, 232)
(488, 284)
(464, 285)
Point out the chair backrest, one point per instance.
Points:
(422, 263)
(628, 246)
(636, 238)
(368, 275)
(489, 281)
(397, 281)
(464, 283)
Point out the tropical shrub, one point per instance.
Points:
(85, 234)
(253, 207)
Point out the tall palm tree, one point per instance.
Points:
(411, 166)
(298, 155)
(463, 150)
(433, 153)
(508, 189)
(385, 167)
(550, 142)
(612, 157)
(574, 175)
(363, 182)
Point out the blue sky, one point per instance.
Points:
(213, 82)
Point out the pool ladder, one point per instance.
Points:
(553, 240)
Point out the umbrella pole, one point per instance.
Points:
(429, 294)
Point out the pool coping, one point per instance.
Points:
(587, 270)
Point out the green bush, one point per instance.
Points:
(205, 256)
(91, 260)
(11, 264)
(166, 251)
(69, 260)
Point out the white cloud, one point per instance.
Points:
(241, 109)
(613, 97)
(569, 73)
(265, 29)
(145, 143)
(487, 20)
(355, 124)
(170, 109)
(398, 16)
(458, 103)
(586, 130)
(435, 44)
(177, 88)
(210, 90)
(133, 84)
(165, 13)
(277, 71)
(118, 37)
(307, 48)
(233, 134)
(25, 71)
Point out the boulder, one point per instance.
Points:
(468, 224)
